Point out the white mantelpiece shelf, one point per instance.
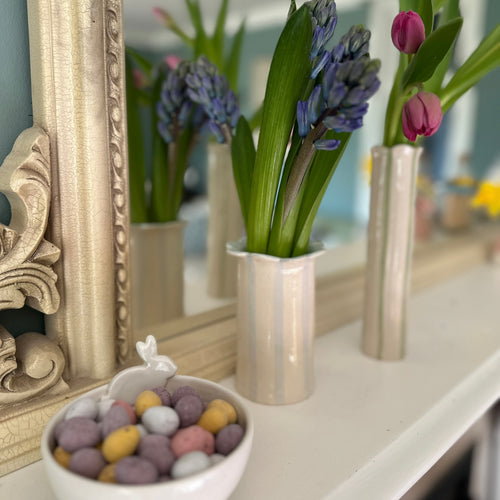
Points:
(371, 429)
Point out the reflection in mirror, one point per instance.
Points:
(341, 221)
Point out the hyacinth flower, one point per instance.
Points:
(210, 90)
(324, 20)
(281, 184)
(338, 104)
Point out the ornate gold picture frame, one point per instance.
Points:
(66, 177)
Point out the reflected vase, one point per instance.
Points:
(225, 222)
(389, 251)
(275, 326)
(157, 273)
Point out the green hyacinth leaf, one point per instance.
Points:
(288, 75)
(218, 37)
(137, 164)
(431, 53)
(232, 63)
(243, 159)
(322, 169)
(483, 60)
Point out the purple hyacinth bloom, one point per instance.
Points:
(214, 96)
(340, 101)
(324, 19)
(302, 121)
(352, 45)
(326, 144)
(174, 108)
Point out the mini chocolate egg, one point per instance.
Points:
(226, 407)
(190, 463)
(87, 462)
(145, 400)
(160, 420)
(135, 470)
(121, 443)
(213, 420)
(79, 432)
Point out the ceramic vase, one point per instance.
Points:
(275, 326)
(225, 222)
(157, 272)
(389, 250)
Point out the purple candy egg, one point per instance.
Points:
(164, 395)
(135, 470)
(189, 408)
(87, 462)
(116, 417)
(156, 449)
(182, 391)
(228, 438)
(79, 432)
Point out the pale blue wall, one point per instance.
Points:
(15, 83)
(15, 116)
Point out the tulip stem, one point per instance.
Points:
(395, 105)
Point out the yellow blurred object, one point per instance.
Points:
(366, 168)
(488, 196)
(464, 181)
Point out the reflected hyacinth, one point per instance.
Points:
(211, 91)
(174, 109)
(339, 103)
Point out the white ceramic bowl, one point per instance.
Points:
(215, 483)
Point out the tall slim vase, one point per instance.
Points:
(390, 247)
(275, 326)
(225, 222)
(157, 272)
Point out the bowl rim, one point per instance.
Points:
(49, 428)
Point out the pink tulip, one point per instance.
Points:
(172, 61)
(408, 32)
(422, 115)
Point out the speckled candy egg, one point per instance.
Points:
(160, 420)
(145, 400)
(79, 432)
(182, 391)
(226, 407)
(116, 417)
(87, 462)
(121, 443)
(156, 449)
(228, 438)
(128, 408)
(189, 464)
(192, 438)
(164, 395)
(189, 408)
(213, 420)
(135, 470)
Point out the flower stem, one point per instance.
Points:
(395, 105)
(299, 168)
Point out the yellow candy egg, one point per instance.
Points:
(121, 443)
(62, 457)
(213, 420)
(226, 407)
(145, 400)
(107, 475)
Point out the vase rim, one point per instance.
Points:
(158, 225)
(237, 248)
(401, 147)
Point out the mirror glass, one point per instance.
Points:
(342, 219)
